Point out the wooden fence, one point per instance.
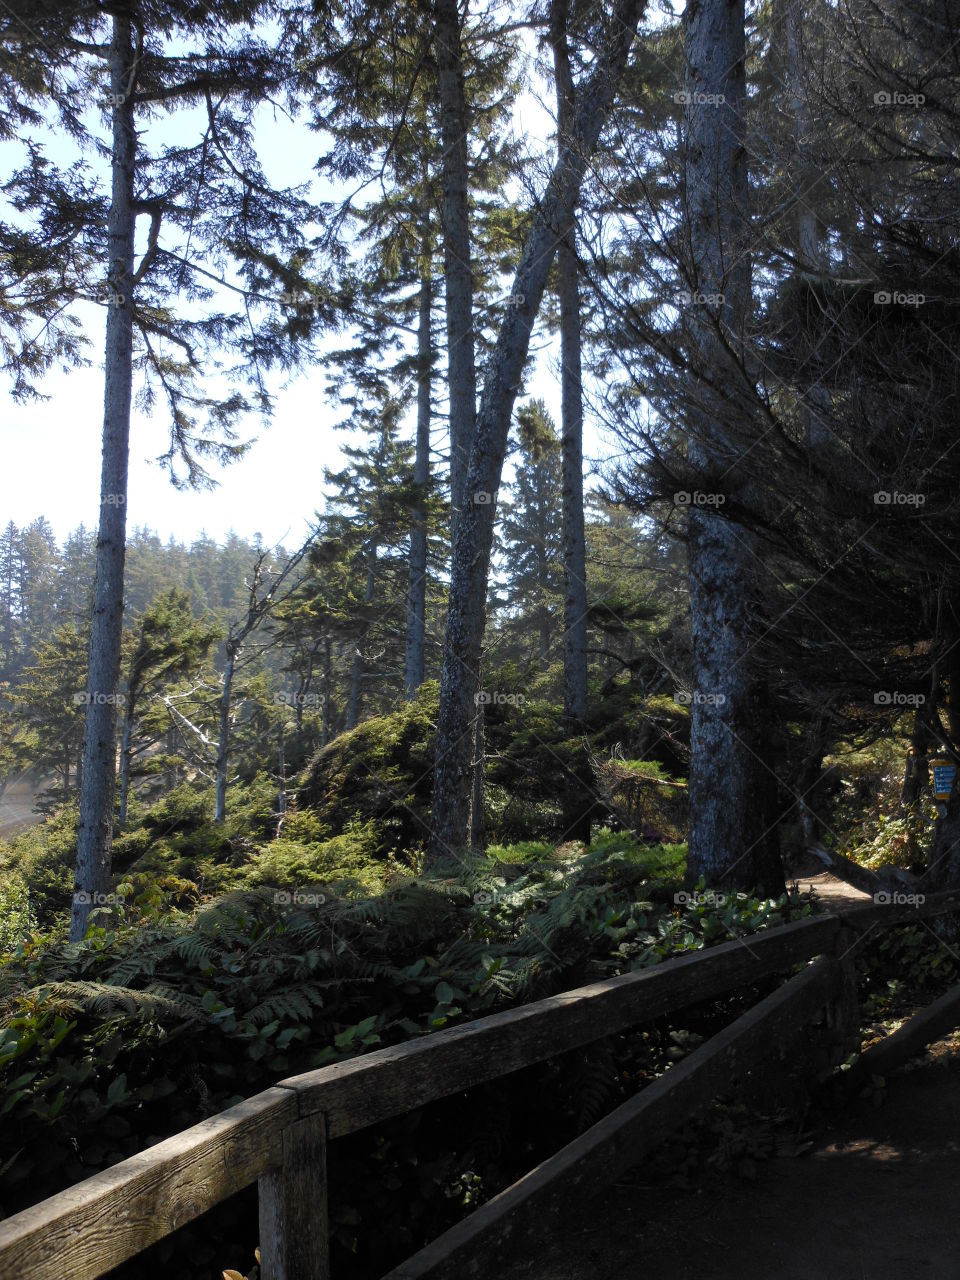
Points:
(278, 1138)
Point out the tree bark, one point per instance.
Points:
(458, 274)
(461, 357)
(417, 585)
(916, 774)
(223, 736)
(95, 829)
(815, 405)
(471, 558)
(576, 796)
(327, 685)
(730, 837)
(356, 675)
(125, 758)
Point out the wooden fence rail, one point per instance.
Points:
(278, 1137)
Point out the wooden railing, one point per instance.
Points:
(278, 1137)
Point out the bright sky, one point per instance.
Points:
(51, 450)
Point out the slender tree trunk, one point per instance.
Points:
(806, 787)
(543, 628)
(223, 735)
(95, 829)
(806, 239)
(327, 685)
(916, 774)
(815, 406)
(576, 789)
(281, 769)
(125, 759)
(356, 677)
(417, 585)
(458, 274)
(730, 842)
(471, 558)
(353, 703)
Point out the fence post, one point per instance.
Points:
(294, 1230)
(843, 1013)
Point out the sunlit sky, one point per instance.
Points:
(51, 449)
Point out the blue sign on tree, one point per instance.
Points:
(944, 773)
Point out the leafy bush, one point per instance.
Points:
(41, 861)
(175, 1010)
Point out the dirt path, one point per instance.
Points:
(875, 1199)
(831, 890)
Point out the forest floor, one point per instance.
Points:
(873, 1199)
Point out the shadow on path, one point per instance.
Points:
(877, 1198)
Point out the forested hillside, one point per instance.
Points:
(627, 608)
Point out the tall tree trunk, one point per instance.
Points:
(806, 239)
(576, 789)
(458, 274)
(223, 735)
(730, 842)
(417, 584)
(461, 358)
(815, 406)
(471, 558)
(95, 829)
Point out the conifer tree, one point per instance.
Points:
(211, 215)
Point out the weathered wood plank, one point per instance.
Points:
(843, 1013)
(118, 1213)
(397, 1079)
(294, 1227)
(511, 1223)
(930, 1024)
(83, 1232)
(869, 915)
